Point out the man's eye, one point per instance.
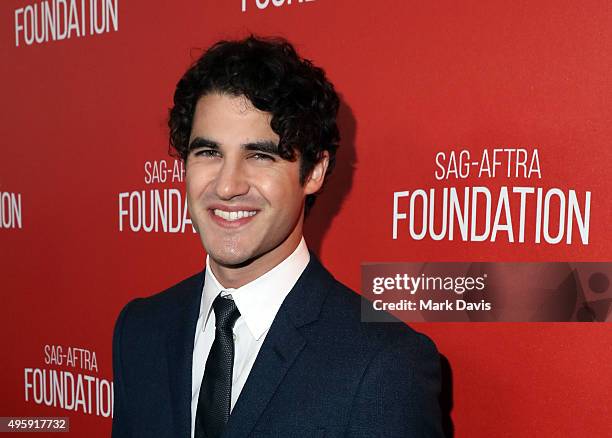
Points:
(262, 157)
(206, 153)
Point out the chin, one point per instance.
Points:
(230, 258)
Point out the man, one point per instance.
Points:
(264, 342)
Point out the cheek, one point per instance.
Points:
(281, 193)
(286, 206)
(196, 181)
(280, 183)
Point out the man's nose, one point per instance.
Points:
(231, 181)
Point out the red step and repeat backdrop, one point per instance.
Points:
(503, 103)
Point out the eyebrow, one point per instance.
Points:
(266, 146)
(200, 142)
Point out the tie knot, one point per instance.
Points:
(226, 312)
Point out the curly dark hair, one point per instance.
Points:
(270, 73)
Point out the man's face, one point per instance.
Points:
(245, 201)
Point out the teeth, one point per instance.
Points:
(233, 215)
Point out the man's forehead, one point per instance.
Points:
(231, 120)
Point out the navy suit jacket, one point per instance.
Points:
(320, 371)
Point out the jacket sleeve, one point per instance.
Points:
(121, 426)
(398, 395)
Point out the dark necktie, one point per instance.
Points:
(216, 391)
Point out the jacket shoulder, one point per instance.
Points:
(157, 308)
(343, 310)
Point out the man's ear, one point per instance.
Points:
(314, 182)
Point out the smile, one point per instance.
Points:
(233, 215)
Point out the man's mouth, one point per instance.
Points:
(232, 216)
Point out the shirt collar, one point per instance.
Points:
(259, 300)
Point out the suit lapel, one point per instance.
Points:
(179, 345)
(280, 349)
(274, 359)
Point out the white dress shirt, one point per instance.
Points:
(258, 303)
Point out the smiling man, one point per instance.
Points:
(264, 341)
(246, 199)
